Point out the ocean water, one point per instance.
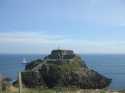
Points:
(112, 66)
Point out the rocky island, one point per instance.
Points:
(62, 68)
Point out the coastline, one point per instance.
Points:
(97, 62)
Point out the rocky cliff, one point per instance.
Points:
(63, 68)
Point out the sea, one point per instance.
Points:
(110, 65)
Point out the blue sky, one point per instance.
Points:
(38, 26)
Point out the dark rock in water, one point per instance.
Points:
(63, 68)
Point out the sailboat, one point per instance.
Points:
(24, 61)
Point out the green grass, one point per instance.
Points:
(38, 91)
(59, 90)
(33, 91)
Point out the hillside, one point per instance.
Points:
(62, 68)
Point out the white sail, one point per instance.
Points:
(24, 61)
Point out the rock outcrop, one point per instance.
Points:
(63, 68)
(4, 82)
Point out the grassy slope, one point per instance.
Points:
(62, 91)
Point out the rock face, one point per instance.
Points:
(4, 82)
(62, 68)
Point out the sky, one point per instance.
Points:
(85, 26)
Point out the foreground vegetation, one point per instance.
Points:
(59, 90)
